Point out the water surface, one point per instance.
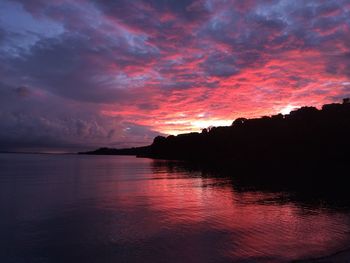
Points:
(73, 208)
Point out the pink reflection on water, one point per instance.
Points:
(257, 225)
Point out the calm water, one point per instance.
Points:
(67, 208)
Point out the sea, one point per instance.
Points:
(83, 208)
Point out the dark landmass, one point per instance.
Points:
(306, 134)
(136, 151)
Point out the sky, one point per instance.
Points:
(81, 74)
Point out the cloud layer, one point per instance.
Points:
(89, 73)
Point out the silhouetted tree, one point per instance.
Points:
(159, 140)
(305, 134)
(239, 121)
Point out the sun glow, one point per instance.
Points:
(287, 109)
(192, 125)
(201, 124)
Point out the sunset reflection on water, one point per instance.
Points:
(109, 208)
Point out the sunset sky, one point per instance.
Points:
(88, 73)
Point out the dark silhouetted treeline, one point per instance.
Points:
(112, 151)
(304, 135)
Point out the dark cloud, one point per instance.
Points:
(69, 67)
(2, 35)
(220, 65)
(147, 106)
(328, 8)
(23, 91)
(44, 121)
(126, 10)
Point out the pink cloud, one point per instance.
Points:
(178, 66)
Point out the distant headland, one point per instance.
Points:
(306, 134)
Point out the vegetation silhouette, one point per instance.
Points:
(305, 135)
